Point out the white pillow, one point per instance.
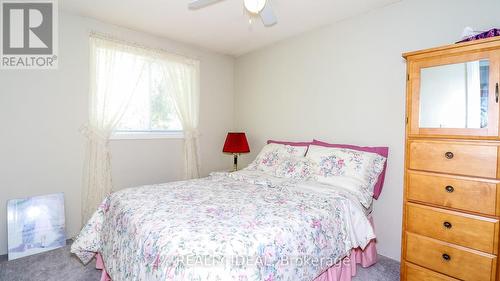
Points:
(273, 154)
(295, 167)
(354, 170)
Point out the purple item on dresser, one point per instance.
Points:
(487, 34)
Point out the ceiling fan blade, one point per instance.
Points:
(267, 15)
(198, 4)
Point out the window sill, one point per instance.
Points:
(147, 135)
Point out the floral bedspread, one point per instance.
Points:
(229, 226)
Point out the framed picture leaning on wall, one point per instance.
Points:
(35, 225)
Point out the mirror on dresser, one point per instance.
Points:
(455, 95)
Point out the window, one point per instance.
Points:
(135, 89)
(151, 111)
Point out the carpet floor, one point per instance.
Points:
(60, 265)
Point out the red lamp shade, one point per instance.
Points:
(236, 143)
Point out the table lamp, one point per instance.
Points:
(236, 143)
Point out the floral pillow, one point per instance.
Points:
(298, 168)
(273, 154)
(354, 170)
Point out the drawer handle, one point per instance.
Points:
(449, 189)
(447, 224)
(449, 155)
(446, 257)
(496, 93)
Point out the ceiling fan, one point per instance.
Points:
(260, 8)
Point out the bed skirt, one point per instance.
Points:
(346, 268)
(342, 271)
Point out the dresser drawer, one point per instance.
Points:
(455, 158)
(465, 230)
(417, 273)
(454, 192)
(452, 260)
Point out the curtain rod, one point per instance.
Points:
(112, 38)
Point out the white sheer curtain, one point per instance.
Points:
(115, 71)
(182, 84)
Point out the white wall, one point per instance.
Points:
(41, 150)
(346, 83)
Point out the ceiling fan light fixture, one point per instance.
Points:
(254, 6)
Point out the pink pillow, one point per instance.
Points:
(291, 143)
(382, 151)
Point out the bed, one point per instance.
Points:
(246, 225)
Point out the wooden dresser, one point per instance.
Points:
(452, 163)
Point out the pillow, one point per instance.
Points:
(273, 154)
(382, 151)
(355, 170)
(291, 143)
(293, 167)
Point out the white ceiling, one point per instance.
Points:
(222, 27)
